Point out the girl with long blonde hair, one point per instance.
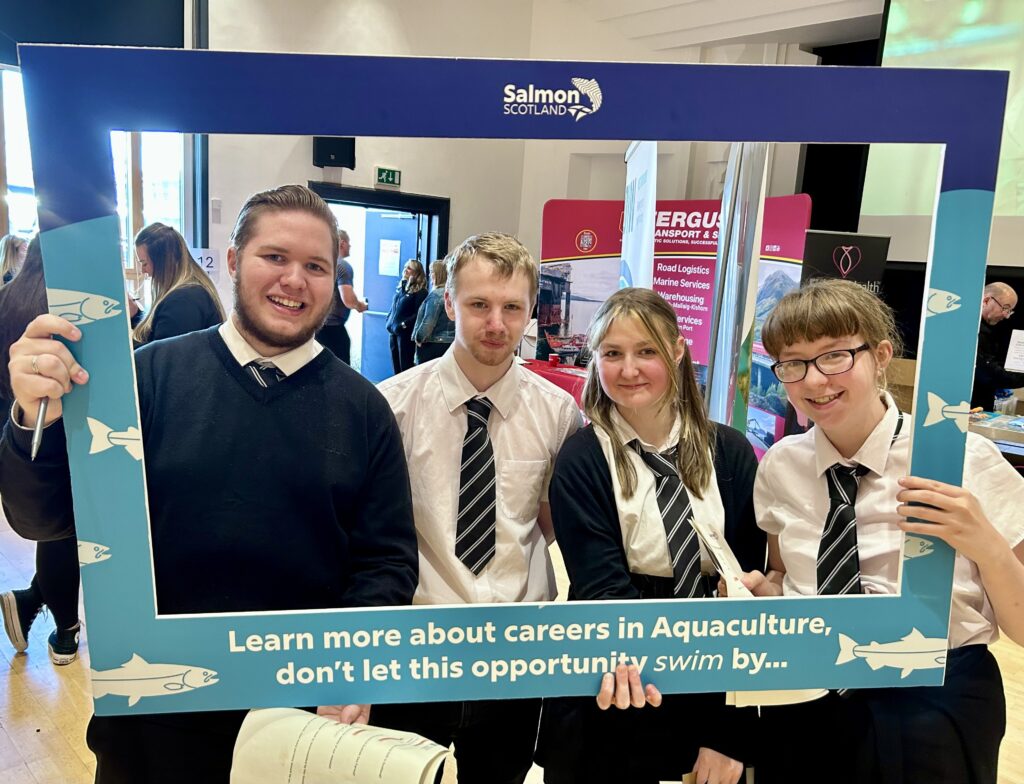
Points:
(409, 295)
(623, 495)
(184, 297)
(12, 254)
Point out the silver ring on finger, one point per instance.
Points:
(35, 368)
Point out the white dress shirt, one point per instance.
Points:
(289, 362)
(791, 502)
(643, 531)
(530, 421)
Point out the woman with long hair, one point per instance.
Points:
(55, 583)
(12, 255)
(184, 297)
(433, 332)
(623, 495)
(409, 295)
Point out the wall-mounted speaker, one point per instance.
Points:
(334, 151)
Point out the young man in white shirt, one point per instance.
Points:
(481, 434)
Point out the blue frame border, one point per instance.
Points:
(76, 95)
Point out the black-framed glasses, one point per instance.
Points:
(1007, 310)
(831, 363)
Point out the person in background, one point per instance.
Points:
(481, 433)
(12, 255)
(433, 331)
(624, 494)
(333, 334)
(307, 452)
(184, 297)
(55, 583)
(409, 295)
(832, 341)
(997, 304)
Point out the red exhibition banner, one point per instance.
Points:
(581, 247)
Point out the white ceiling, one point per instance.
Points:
(663, 25)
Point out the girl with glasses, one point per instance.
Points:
(623, 495)
(833, 341)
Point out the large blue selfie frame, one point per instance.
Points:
(146, 663)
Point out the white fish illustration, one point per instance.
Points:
(80, 307)
(137, 678)
(913, 652)
(940, 302)
(104, 438)
(939, 409)
(917, 547)
(90, 553)
(591, 89)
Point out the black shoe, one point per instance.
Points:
(20, 609)
(64, 644)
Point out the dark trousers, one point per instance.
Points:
(430, 350)
(581, 744)
(164, 749)
(947, 734)
(817, 742)
(402, 350)
(56, 579)
(494, 739)
(335, 337)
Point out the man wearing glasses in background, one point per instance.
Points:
(997, 304)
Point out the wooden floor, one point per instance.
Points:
(44, 709)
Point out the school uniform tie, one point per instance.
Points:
(474, 532)
(677, 516)
(266, 374)
(838, 562)
(838, 565)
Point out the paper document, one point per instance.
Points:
(731, 573)
(289, 746)
(747, 699)
(389, 258)
(724, 559)
(1015, 353)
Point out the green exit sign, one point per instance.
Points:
(391, 177)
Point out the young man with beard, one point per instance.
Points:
(254, 436)
(481, 435)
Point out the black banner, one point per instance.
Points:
(837, 254)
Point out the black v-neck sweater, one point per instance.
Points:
(287, 497)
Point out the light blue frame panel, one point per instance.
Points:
(150, 663)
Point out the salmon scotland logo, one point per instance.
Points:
(584, 99)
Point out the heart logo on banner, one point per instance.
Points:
(846, 257)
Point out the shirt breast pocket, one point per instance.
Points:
(519, 487)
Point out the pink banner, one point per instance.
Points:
(584, 240)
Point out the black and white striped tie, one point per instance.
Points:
(474, 532)
(677, 516)
(266, 373)
(838, 566)
(838, 561)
